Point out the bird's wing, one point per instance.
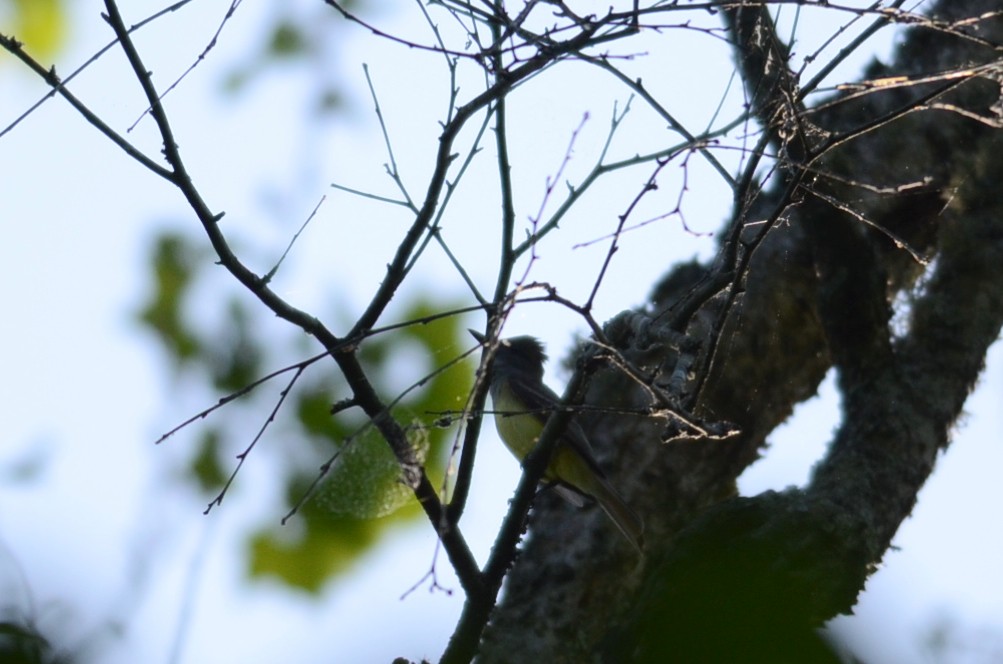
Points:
(541, 401)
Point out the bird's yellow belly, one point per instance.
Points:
(518, 432)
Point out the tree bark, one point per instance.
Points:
(814, 288)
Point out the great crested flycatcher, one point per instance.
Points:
(522, 404)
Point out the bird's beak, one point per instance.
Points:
(477, 335)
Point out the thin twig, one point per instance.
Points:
(271, 273)
(242, 457)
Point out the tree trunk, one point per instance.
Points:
(739, 342)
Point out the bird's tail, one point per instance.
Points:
(624, 518)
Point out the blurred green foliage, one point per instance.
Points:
(360, 496)
(296, 37)
(22, 643)
(218, 339)
(174, 261)
(41, 25)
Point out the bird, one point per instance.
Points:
(522, 404)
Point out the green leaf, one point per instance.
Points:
(173, 261)
(308, 561)
(287, 40)
(205, 465)
(235, 356)
(364, 481)
(39, 24)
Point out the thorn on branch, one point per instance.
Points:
(344, 404)
(218, 500)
